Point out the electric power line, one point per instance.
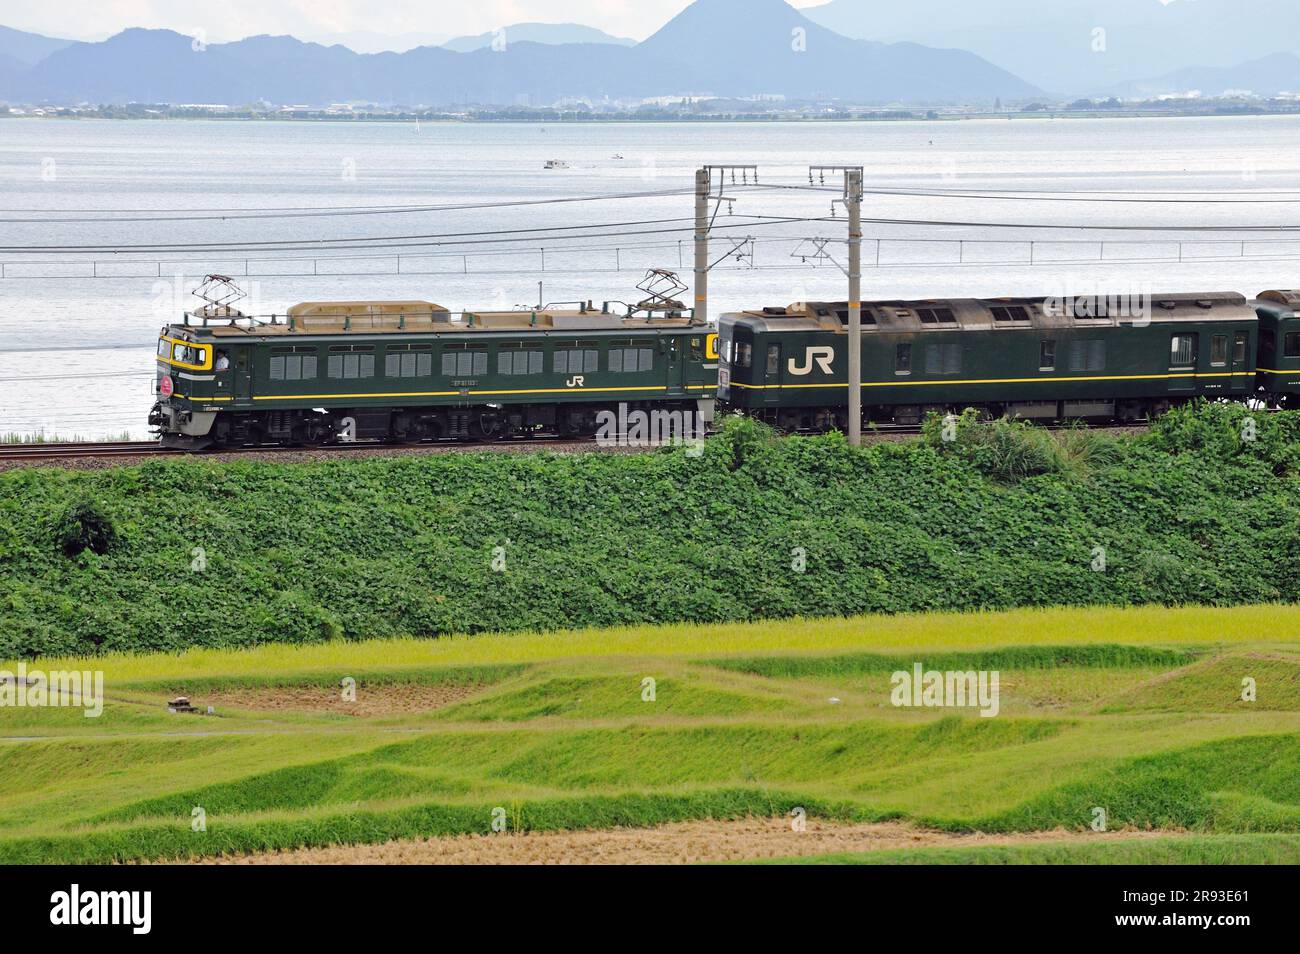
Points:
(188, 215)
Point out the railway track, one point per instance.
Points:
(88, 450)
(81, 449)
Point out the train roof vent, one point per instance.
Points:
(342, 316)
(1009, 313)
(770, 310)
(936, 316)
(1283, 296)
(868, 316)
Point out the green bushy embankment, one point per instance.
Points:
(180, 553)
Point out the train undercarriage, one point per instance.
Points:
(472, 424)
(815, 420)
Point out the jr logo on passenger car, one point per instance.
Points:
(821, 355)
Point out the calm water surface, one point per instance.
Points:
(76, 331)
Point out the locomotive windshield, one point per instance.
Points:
(180, 353)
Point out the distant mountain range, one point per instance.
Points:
(728, 48)
(368, 41)
(856, 52)
(19, 50)
(1269, 75)
(1055, 44)
(552, 34)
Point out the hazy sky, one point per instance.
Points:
(233, 19)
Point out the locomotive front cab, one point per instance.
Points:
(190, 381)
(1279, 348)
(176, 357)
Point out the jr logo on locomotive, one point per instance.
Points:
(819, 355)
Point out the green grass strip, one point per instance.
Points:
(177, 841)
(1171, 850)
(1105, 656)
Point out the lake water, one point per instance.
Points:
(77, 330)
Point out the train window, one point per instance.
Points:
(631, 360)
(293, 367)
(464, 364)
(744, 354)
(1182, 351)
(1239, 347)
(903, 359)
(519, 362)
(351, 365)
(184, 354)
(943, 359)
(576, 361)
(162, 347)
(1088, 355)
(408, 364)
(1047, 355)
(931, 316)
(1219, 350)
(1009, 313)
(773, 359)
(1291, 344)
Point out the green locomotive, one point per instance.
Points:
(1035, 358)
(414, 371)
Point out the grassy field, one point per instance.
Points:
(1137, 712)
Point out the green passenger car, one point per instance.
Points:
(1035, 358)
(1279, 348)
(414, 371)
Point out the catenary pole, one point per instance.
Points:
(702, 187)
(853, 198)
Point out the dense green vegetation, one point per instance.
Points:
(199, 553)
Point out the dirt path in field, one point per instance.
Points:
(376, 700)
(679, 843)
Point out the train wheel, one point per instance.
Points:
(489, 429)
